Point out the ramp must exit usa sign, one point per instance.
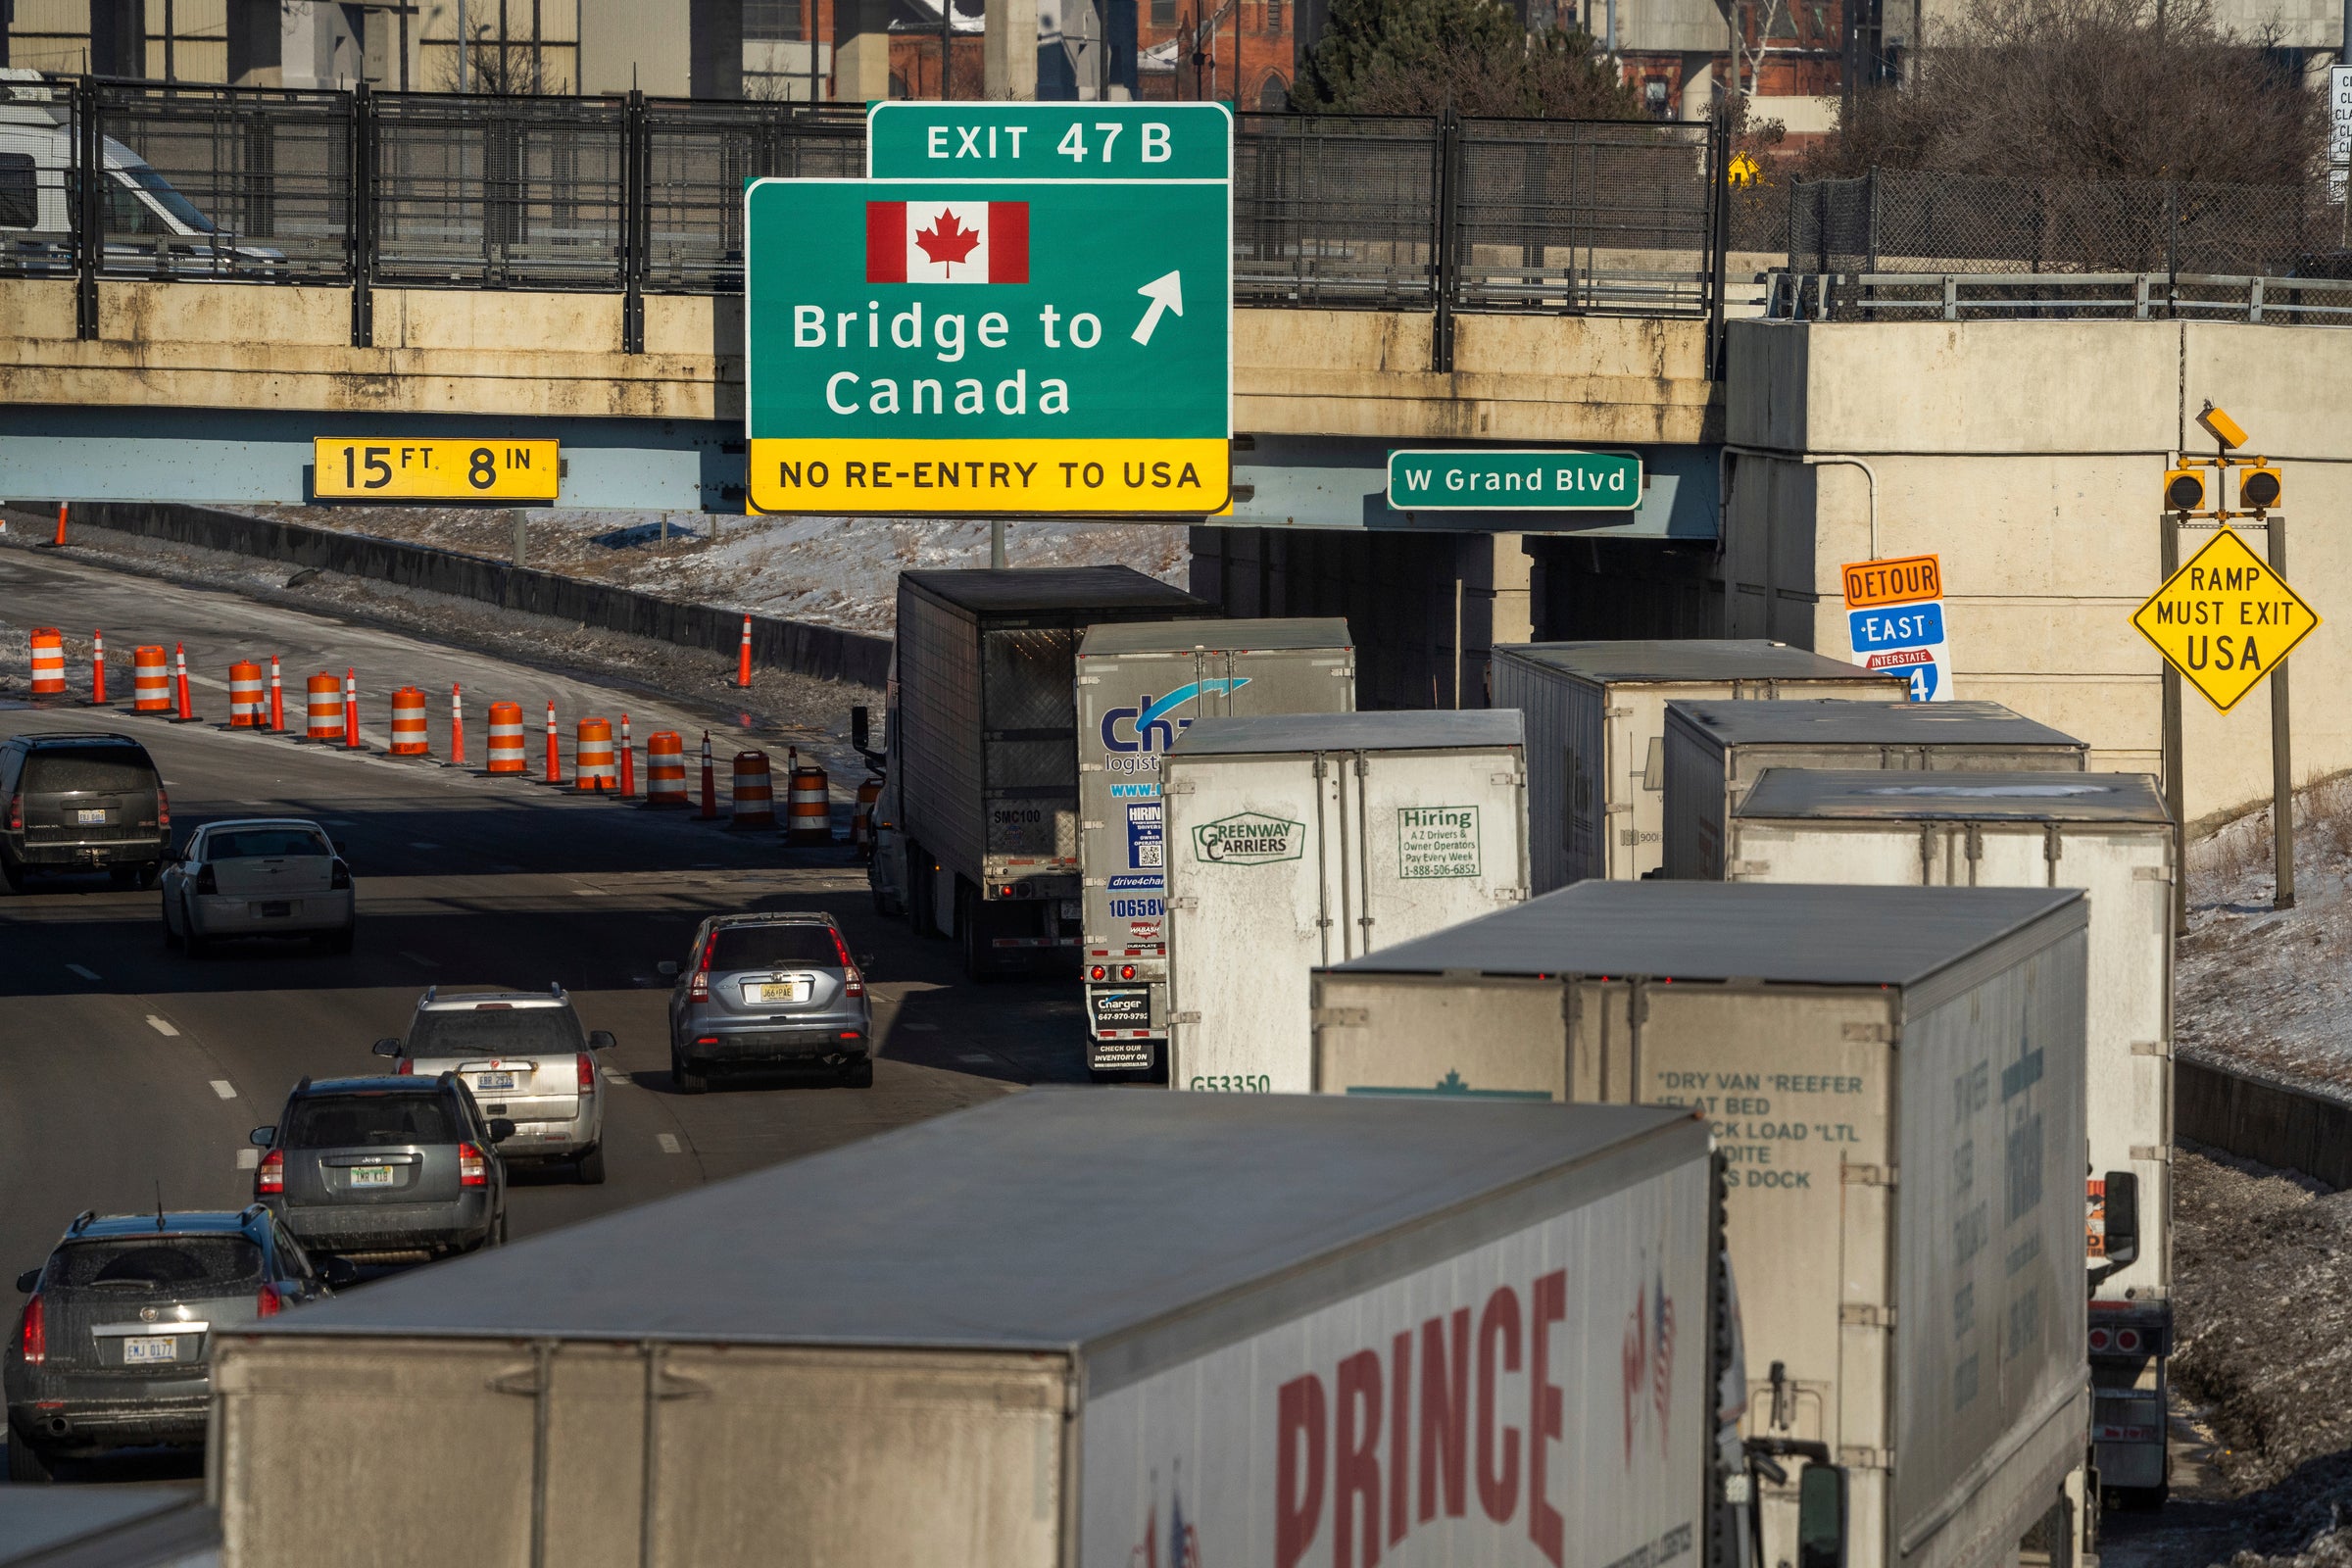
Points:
(2225, 621)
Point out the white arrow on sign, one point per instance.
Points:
(1165, 294)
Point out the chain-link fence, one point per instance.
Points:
(1335, 210)
(1555, 215)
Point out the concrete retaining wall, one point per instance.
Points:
(2263, 1121)
(821, 651)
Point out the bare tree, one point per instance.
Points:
(2089, 91)
(1418, 57)
(490, 66)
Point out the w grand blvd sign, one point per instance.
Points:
(2225, 621)
(1493, 479)
(953, 347)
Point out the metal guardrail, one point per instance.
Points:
(2058, 296)
(643, 196)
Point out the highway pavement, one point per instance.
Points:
(128, 1071)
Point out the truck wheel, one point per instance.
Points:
(27, 1465)
(11, 873)
(978, 960)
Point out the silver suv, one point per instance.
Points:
(524, 1057)
(768, 990)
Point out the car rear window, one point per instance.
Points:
(360, 1121)
(495, 1032)
(763, 946)
(170, 1265)
(64, 769)
(262, 843)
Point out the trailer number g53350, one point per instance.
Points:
(1233, 1082)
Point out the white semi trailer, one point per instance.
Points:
(1296, 1332)
(1895, 1076)
(2110, 835)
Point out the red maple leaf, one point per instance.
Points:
(947, 241)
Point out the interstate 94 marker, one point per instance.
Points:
(948, 348)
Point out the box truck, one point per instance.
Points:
(1714, 751)
(1595, 715)
(1308, 839)
(976, 833)
(1895, 1076)
(1140, 685)
(1306, 1331)
(2110, 835)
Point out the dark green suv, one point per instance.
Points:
(81, 803)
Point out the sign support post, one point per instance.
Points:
(2175, 795)
(2282, 753)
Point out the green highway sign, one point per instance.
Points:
(1049, 141)
(1493, 479)
(975, 347)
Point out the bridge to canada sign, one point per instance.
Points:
(989, 347)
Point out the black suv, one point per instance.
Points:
(81, 803)
(385, 1170)
(114, 1348)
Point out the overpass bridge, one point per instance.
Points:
(562, 267)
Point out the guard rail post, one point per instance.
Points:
(635, 228)
(359, 219)
(1445, 266)
(89, 250)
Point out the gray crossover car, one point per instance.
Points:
(768, 990)
(524, 1057)
(114, 1347)
(385, 1170)
(260, 877)
(81, 803)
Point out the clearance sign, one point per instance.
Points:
(948, 347)
(1895, 617)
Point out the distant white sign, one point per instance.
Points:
(2339, 108)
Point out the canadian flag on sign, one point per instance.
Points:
(946, 242)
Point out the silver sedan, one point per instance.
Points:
(257, 877)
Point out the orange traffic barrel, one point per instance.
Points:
(754, 800)
(592, 767)
(506, 755)
(808, 811)
(151, 680)
(665, 769)
(244, 695)
(325, 715)
(408, 723)
(861, 820)
(48, 661)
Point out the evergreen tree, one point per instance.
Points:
(1418, 57)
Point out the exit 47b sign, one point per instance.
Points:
(973, 347)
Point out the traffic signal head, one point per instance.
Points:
(2184, 489)
(2222, 429)
(2258, 486)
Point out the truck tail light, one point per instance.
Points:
(1097, 972)
(1126, 971)
(271, 1176)
(266, 1303)
(472, 1169)
(34, 1333)
(2127, 1339)
(587, 1068)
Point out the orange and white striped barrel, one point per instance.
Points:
(755, 798)
(665, 769)
(408, 723)
(244, 695)
(151, 680)
(861, 819)
(592, 768)
(506, 755)
(808, 810)
(323, 710)
(48, 661)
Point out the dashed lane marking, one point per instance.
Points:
(248, 1158)
(421, 845)
(224, 1088)
(418, 957)
(669, 1142)
(86, 975)
(162, 1026)
(976, 1056)
(612, 1077)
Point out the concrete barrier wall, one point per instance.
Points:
(2265, 1122)
(824, 652)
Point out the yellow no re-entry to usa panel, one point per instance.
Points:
(1180, 477)
(434, 468)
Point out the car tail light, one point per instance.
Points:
(266, 1303)
(271, 1176)
(406, 1069)
(698, 988)
(34, 1333)
(587, 1065)
(472, 1169)
(852, 984)
(15, 813)
(162, 807)
(206, 882)
(338, 875)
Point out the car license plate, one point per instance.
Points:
(275, 910)
(370, 1175)
(90, 819)
(796, 988)
(493, 1080)
(142, 1349)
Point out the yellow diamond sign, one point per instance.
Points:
(2225, 621)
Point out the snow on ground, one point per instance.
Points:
(834, 571)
